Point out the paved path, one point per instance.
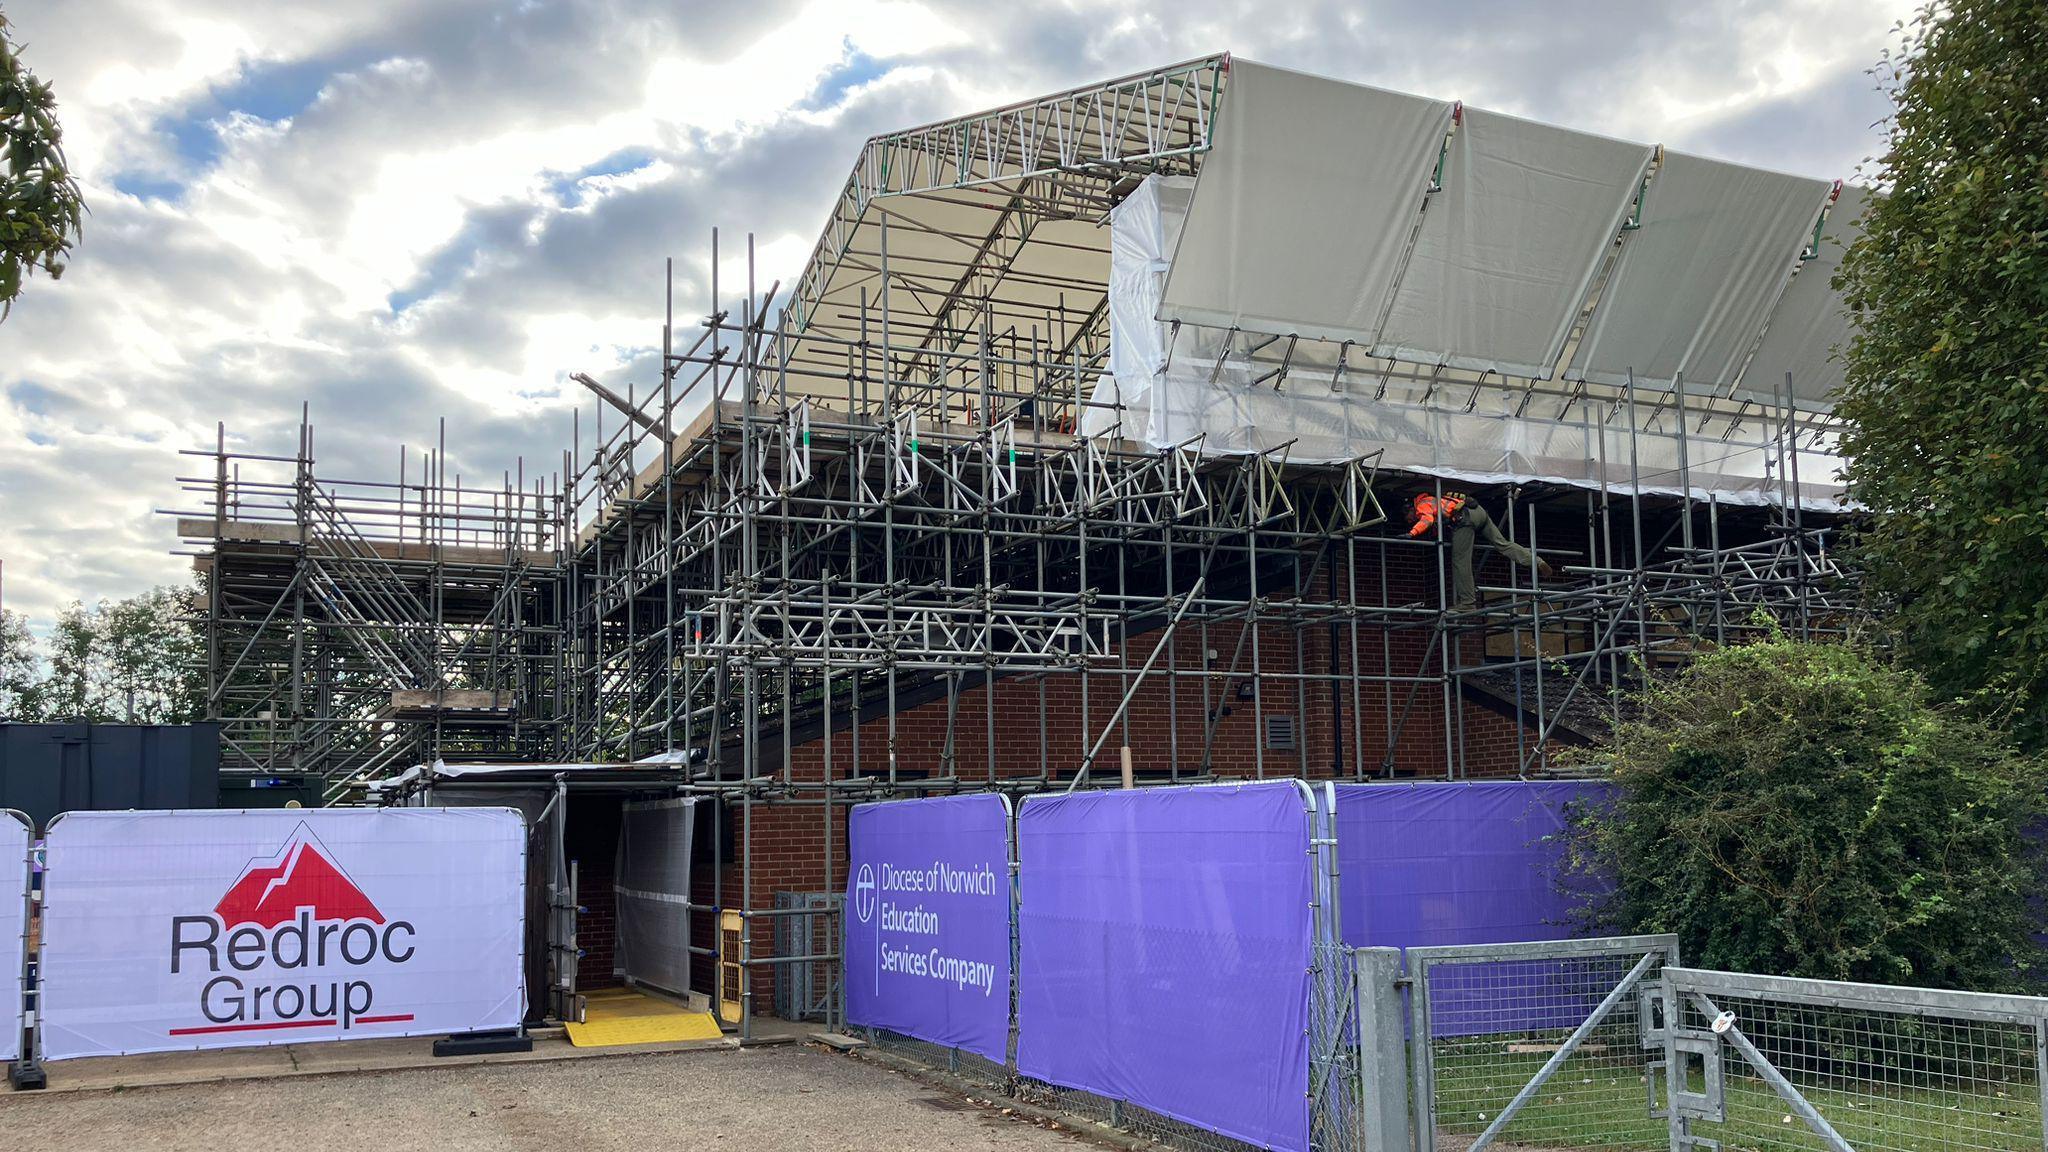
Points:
(785, 1097)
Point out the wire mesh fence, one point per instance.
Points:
(970, 1066)
(1536, 1045)
(1609, 1044)
(1334, 1084)
(1103, 1111)
(1781, 1063)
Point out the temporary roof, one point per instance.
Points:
(1468, 244)
(1302, 215)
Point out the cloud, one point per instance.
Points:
(396, 211)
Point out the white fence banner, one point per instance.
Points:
(166, 931)
(15, 840)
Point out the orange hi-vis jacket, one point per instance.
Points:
(1428, 508)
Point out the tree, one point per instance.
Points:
(126, 661)
(21, 689)
(1946, 393)
(1811, 810)
(41, 210)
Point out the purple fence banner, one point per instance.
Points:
(1447, 863)
(1164, 953)
(928, 920)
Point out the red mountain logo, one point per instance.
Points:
(302, 875)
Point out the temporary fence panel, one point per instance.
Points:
(1776, 1062)
(15, 842)
(550, 956)
(928, 924)
(1165, 940)
(173, 930)
(652, 886)
(1437, 863)
(1540, 1044)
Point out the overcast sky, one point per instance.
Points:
(400, 209)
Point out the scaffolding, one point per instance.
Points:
(869, 502)
(356, 627)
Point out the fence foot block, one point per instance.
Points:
(27, 1076)
(484, 1043)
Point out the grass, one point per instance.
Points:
(1599, 1100)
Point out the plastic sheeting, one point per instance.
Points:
(1164, 960)
(1314, 294)
(1306, 204)
(1510, 246)
(1143, 230)
(1447, 863)
(928, 920)
(442, 770)
(1171, 385)
(1810, 326)
(652, 885)
(1694, 285)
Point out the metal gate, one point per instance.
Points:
(1553, 1044)
(1770, 1062)
(807, 925)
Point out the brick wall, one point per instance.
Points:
(590, 836)
(1046, 723)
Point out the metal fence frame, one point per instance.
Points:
(1690, 994)
(24, 1071)
(1425, 962)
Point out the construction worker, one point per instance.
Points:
(1464, 519)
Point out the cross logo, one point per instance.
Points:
(864, 893)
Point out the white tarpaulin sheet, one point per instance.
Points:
(15, 839)
(652, 884)
(178, 930)
(1167, 388)
(1811, 324)
(1510, 245)
(1306, 203)
(1143, 229)
(1694, 285)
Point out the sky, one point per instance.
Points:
(395, 211)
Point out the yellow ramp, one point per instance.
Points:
(619, 1016)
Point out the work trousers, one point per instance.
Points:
(1473, 522)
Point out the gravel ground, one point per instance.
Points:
(761, 1098)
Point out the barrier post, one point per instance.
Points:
(25, 1072)
(1382, 1052)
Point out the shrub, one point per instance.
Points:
(1811, 810)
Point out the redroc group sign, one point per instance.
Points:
(189, 929)
(928, 938)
